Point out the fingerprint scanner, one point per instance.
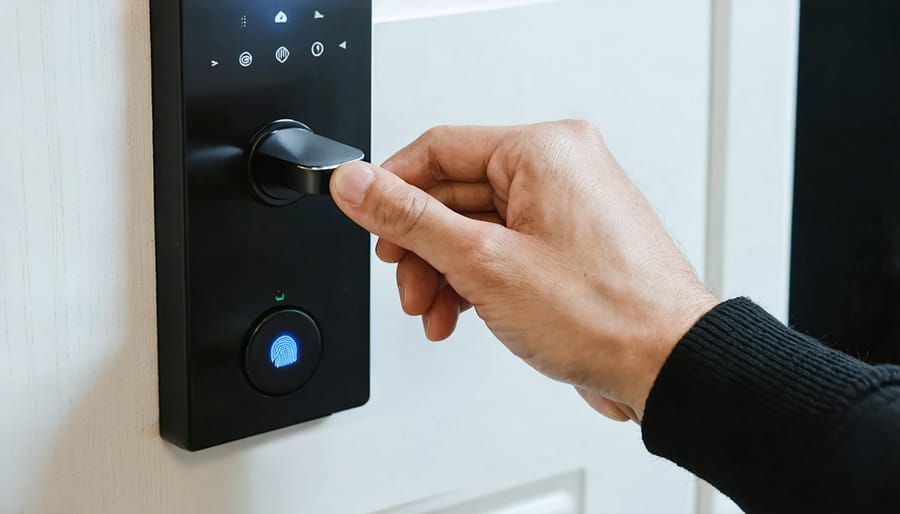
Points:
(283, 352)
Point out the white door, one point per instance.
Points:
(456, 427)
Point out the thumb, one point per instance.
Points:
(385, 205)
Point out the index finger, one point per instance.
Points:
(448, 153)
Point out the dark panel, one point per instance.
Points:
(223, 69)
(845, 286)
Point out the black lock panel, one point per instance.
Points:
(244, 284)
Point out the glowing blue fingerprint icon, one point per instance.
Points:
(284, 352)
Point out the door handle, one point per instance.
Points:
(288, 160)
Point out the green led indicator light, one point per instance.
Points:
(279, 296)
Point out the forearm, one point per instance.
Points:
(772, 417)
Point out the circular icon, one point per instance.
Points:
(283, 352)
(246, 59)
(318, 49)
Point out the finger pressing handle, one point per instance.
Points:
(385, 205)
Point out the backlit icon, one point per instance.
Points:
(282, 55)
(244, 21)
(280, 296)
(318, 49)
(284, 352)
(281, 17)
(246, 59)
(319, 15)
(213, 64)
(343, 45)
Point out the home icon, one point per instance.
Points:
(281, 17)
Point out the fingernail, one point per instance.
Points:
(352, 181)
(426, 320)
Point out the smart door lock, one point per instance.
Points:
(263, 284)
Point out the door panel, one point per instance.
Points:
(561, 494)
(77, 327)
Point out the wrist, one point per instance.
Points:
(672, 325)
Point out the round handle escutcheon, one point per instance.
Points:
(288, 161)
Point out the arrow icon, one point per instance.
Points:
(213, 64)
(319, 15)
(343, 45)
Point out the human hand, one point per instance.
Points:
(542, 232)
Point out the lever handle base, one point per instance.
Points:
(288, 161)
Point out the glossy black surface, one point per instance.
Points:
(287, 160)
(845, 286)
(225, 258)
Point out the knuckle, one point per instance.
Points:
(478, 263)
(435, 133)
(433, 136)
(485, 246)
(582, 128)
(448, 196)
(429, 141)
(400, 210)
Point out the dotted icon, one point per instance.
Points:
(246, 59)
(244, 21)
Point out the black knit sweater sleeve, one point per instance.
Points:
(776, 420)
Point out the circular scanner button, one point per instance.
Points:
(283, 352)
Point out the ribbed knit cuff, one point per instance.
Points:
(742, 397)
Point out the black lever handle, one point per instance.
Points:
(287, 161)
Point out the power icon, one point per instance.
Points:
(318, 48)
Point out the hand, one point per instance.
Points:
(542, 232)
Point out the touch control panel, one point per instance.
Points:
(263, 284)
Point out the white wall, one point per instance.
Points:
(398, 10)
(77, 289)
